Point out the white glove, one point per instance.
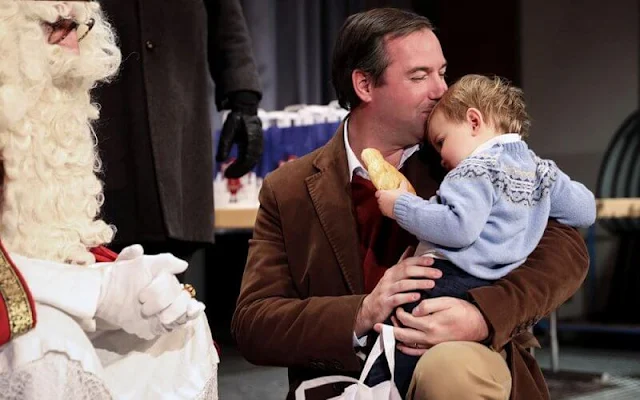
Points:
(141, 294)
(165, 297)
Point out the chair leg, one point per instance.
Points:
(553, 333)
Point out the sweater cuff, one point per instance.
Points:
(402, 208)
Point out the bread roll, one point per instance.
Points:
(384, 176)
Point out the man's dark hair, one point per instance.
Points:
(361, 45)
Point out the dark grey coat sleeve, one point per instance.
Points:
(230, 54)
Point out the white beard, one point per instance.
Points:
(51, 196)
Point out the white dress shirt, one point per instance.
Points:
(355, 167)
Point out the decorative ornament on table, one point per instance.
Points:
(290, 158)
(233, 184)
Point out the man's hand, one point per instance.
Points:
(243, 128)
(438, 320)
(387, 199)
(141, 295)
(166, 300)
(389, 293)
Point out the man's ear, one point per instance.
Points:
(474, 118)
(362, 85)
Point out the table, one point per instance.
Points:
(235, 218)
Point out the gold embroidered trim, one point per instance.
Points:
(16, 299)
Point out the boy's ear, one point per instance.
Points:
(474, 118)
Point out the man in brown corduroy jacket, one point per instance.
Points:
(322, 270)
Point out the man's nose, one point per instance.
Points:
(71, 42)
(440, 88)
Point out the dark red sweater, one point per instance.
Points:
(382, 240)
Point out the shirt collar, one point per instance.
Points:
(355, 167)
(500, 139)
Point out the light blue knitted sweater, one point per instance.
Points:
(492, 209)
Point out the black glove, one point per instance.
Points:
(244, 128)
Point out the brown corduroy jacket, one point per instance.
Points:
(303, 283)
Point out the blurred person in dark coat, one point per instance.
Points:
(155, 135)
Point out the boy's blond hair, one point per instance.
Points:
(501, 104)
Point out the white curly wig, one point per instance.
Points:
(51, 195)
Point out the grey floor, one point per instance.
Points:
(239, 380)
(613, 362)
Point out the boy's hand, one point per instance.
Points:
(387, 199)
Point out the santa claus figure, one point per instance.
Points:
(76, 320)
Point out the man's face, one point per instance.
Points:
(412, 84)
(62, 36)
(66, 31)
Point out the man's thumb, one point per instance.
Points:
(409, 252)
(130, 253)
(166, 262)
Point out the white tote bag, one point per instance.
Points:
(385, 344)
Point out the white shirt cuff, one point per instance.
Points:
(359, 342)
(70, 288)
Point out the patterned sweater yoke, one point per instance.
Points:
(491, 210)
